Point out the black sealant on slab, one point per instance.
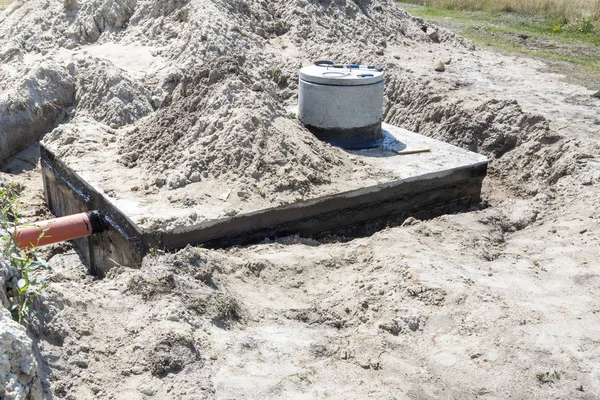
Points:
(446, 188)
(66, 193)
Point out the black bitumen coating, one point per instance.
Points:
(122, 242)
(366, 137)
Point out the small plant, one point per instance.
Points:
(547, 377)
(8, 203)
(27, 263)
(22, 299)
(585, 25)
(227, 308)
(155, 251)
(537, 264)
(278, 77)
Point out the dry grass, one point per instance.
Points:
(4, 4)
(568, 11)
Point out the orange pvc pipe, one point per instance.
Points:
(54, 231)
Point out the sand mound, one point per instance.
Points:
(107, 94)
(522, 148)
(224, 84)
(160, 327)
(33, 106)
(223, 124)
(41, 25)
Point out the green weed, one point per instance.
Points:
(547, 377)
(585, 25)
(28, 263)
(278, 77)
(570, 45)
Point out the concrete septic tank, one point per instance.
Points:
(342, 104)
(445, 179)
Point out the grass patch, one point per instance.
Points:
(571, 49)
(548, 377)
(565, 11)
(591, 63)
(583, 31)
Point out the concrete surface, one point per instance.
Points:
(446, 179)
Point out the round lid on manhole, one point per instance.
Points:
(342, 74)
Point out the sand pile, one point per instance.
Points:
(230, 67)
(158, 339)
(362, 29)
(106, 94)
(223, 125)
(33, 105)
(523, 150)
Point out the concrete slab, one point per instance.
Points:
(445, 179)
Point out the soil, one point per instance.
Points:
(498, 302)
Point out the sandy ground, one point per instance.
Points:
(499, 302)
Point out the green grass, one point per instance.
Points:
(570, 49)
(510, 22)
(565, 11)
(548, 377)
(548, 53)
(589, 63)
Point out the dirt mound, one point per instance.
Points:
(33, 106)
(65, 24)
(107, 94)
(200, 28)
(223, 124)
(154, 338)
(368, 28)
(523, 150)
